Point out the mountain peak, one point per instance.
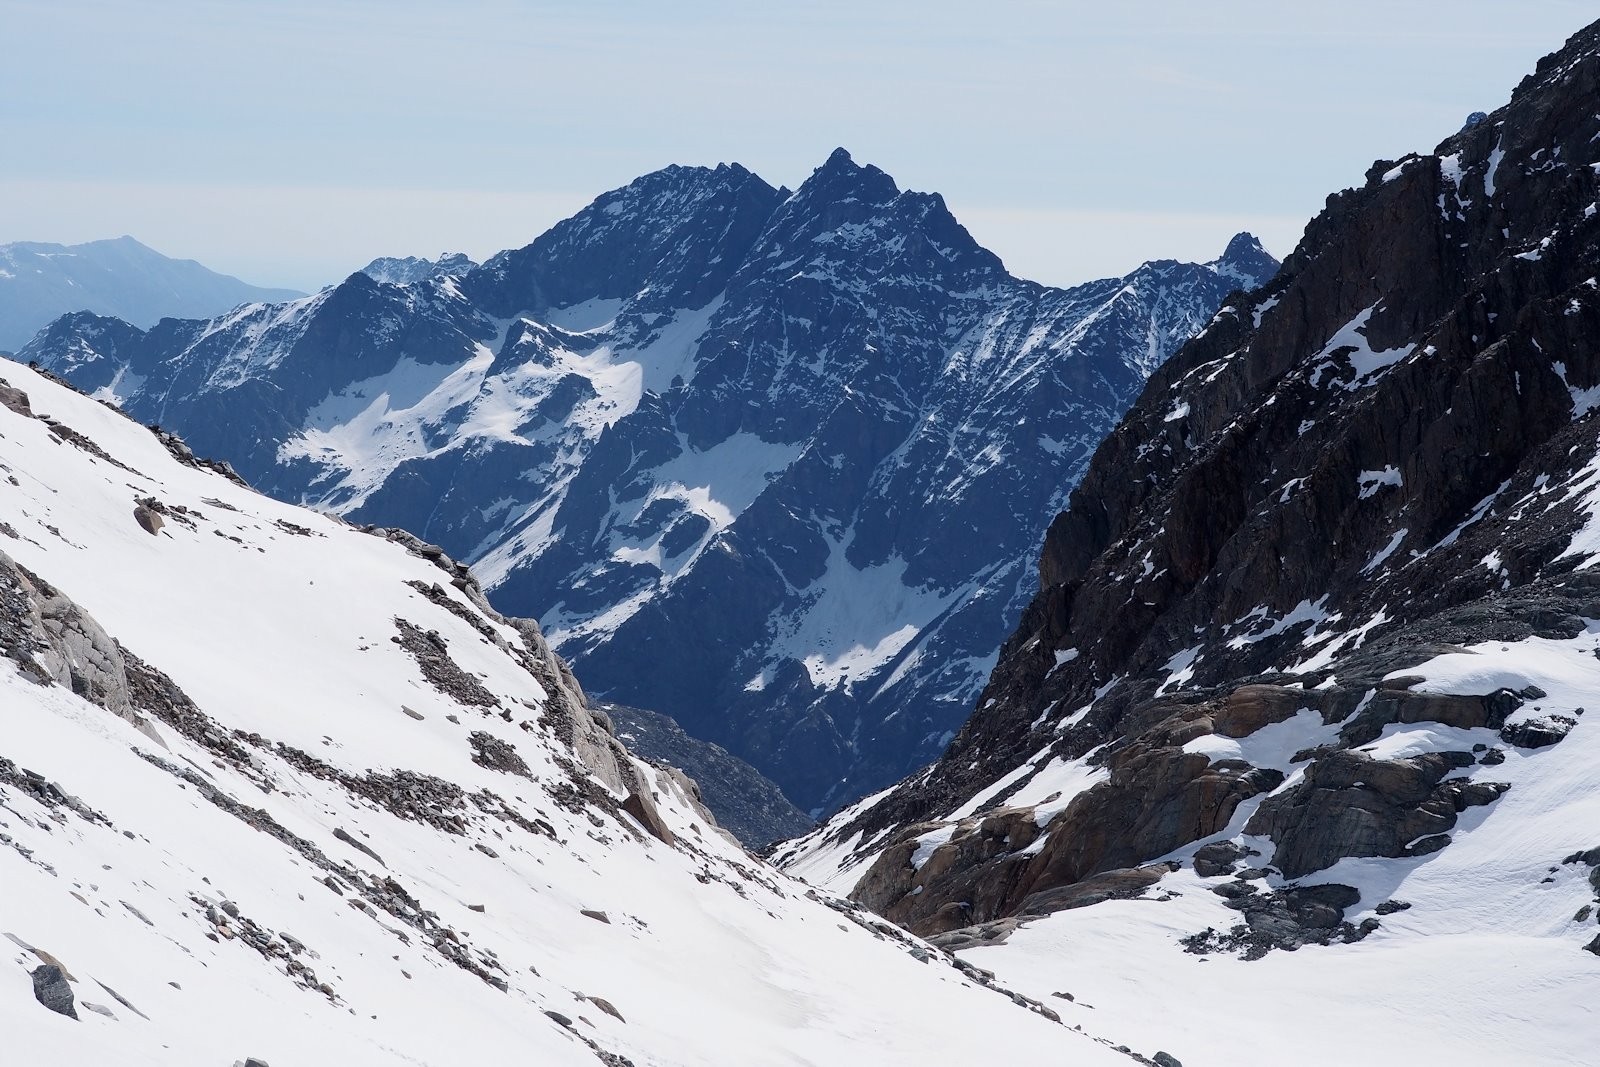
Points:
(841, 177)
(1246, 260)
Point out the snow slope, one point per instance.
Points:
(275, 841)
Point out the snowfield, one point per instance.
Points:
(311, 867)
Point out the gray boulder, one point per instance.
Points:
(51, 988)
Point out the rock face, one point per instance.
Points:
(1386, 454)
(1350, 804)
(794, 451)
(745, 802)
(120, 278)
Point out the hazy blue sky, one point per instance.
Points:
(290, 142)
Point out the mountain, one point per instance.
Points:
(275, 789)
(1308, 663)
(406, 269)
(119, 278)
(771, 463)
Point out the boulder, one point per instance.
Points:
(147, 518)
(1538, 733)
(51, 988)
(1350, 804)
(644, 812)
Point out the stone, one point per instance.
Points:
(1538, 733)
(1165, 1059)
(51, 988)
(644, 812)
(348, 838)
(16, 400)
(1216, 859)
(560, 1019)
(606, 1006)
(1108, 885)
(148, 519)
(1350, 804)
(597, 916)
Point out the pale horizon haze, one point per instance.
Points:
(289, 143)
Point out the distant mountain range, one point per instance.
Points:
(119, 277)
(774, 463)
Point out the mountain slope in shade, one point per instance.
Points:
(772, 463)
(120, 278)
(274, 787)
(1313, 661)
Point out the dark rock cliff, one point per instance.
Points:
(1384, 453)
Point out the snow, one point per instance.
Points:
(1056, 785)
(287, 636)
(1372, 481)
(1485, 968)
(1495, 157)
(855, 619)
(1273, 745)
(1351, 340)
(1303, 612)
(1583, 400)
(1266, 306)
(929, 843)
(1386, 551)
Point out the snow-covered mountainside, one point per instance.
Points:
(401, 270)
(275, 789)
(774, 464)
(1315, 659)
(120, 278)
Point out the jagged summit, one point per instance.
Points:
(1246, 259)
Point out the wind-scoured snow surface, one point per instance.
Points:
(772, 463)
(274, 840)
